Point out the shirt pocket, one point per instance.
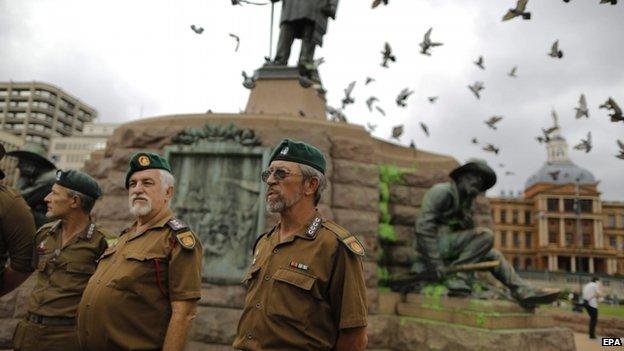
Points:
(250, 277)
(77, 275)
(142, 273)
(291, 296)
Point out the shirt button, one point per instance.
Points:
(249, 336)
(266, 277)
(275, 250)
(258, 305)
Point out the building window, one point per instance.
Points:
(586, 206)
(568, 205)
(516, 263)
(613, 241)
(527, 263)
(503, 239)
(514, 216)
(528, 240)
(552, 237)
(569, 238)
(586, 240)
(622, 222)
(527, 217)
(552, 205)
(503, 216)
(611, 221)
(516, 239)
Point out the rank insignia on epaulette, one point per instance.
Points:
(298, 265)
(176, 224)
(186, 240)
(313, 228)
(354, 245)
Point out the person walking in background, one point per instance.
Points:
(591, 293)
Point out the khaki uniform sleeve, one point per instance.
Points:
(348, 290)
(19, 230)
(185, 272)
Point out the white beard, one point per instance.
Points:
(139, 210)
(280, 205)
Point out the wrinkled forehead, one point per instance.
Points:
(147, 174)
(288, 165)
(59, 189)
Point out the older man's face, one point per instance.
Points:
(283, 193)
(59, 202)
(470, 184)
(146, 194)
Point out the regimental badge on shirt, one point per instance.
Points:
(186, 239)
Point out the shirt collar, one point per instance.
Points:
(312, 225)
(160, 224)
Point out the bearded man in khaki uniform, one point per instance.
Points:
(305, 286)
(144, 292)
(66, 255)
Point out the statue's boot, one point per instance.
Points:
(458, 285)
(530, 296)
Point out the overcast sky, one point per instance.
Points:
(136, 58)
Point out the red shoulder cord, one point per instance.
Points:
(158, 277)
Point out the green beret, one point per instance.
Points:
(146, 160)
(300, 152)
(78, 181)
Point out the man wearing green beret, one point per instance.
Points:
(144, 293)
(37, 174)
(65, 257)
(305, 286)
(446, 235)
(17, 232)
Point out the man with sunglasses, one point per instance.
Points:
(305, 286)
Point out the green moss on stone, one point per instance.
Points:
(387, 233)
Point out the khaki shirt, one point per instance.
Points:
(17, 231)
(127, 303)
(63, 272)
(301, 292)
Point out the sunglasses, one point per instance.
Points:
(279, 174)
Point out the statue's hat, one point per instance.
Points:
(34, 152)
(479, 167)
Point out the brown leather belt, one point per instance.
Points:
(51, 321)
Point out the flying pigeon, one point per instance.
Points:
(474, 141)
(387, 55)
(240, 2)
(412, 144)
(424, 128)
(371, 127)
(491, 148)
(397, 131)
(197, 30)
(491, 122)
(513, 72)
(501, 165)
(348, 99)
(427, 43)
(509, 173)
(319, 61)
(520, 10)
(612, 2)
(301, 113)
(249, 82)
(621, 154)
(582, 110)
(554, 50)
(378, 2)
(402, 97)
(554, 175)
(370, 101)
(616, 111)
(476, 88)
(479, 62)
(237, 40)
(383, 113)
(432, 99)
(369, 80)
(585, 144)
(336, 115)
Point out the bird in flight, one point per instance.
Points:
(476, 88)
(249, 82)
(336, 115)
(371, 127)
(241, 2)
(397, 131)
(197, 30)
(519, 10)
(585, 144)
(237, 38)
(348, 99)
(555, 52)
(582, 110)
(479, 62)
(401, 99)
(387, 55)
(554, 175)
(424, 128)
(427, 44)
(621, 154)
(612, 2)
(491, 122)
(379, 2)
(616, 111)
(474, 141)
(369, 80)
(370, 101)
(380, 110)
(432, 99)
(513, 72)
(491, 148)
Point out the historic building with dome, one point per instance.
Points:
(560, 223)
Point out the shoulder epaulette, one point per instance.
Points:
(50, 226)
(253, 249)
(348, 239)
(177, 224)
